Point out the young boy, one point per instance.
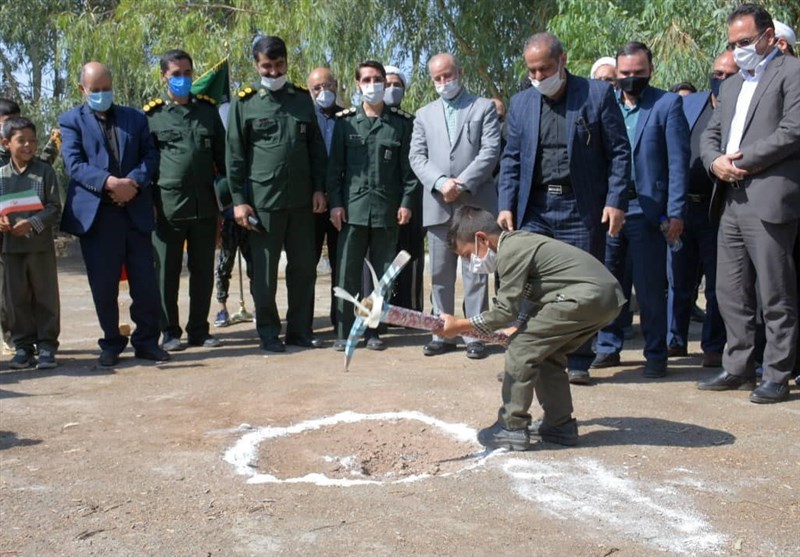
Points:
(28, 255)
(566, 296)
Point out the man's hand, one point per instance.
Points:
(5, 224)
(675, 229)
(338, 217)
(506, 220)
(403, 215)
(121, 190)
(450, 190)
(615, 218)
(450, 327)
(724, 168)
(318, 202)
(241, 212)
(22, 228)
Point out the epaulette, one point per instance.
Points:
(300, 88)
(246, 92)
(346, 112)
(401, 112)
(206, 98)
(155, 103)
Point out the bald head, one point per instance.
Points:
(725, 64)
(320, 76)
(93, 71)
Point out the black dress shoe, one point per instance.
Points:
(154, 354)
(273, 344)
(374, 342)
(677, 352)
(697, 315)
(108, 358)
(655, 370)
(579, 376)
(340, 345)
(437, 347)
(498, 437)
(476, 351)
(769, 392)
(605, 359)
(303, 341)
(564, 434)
(724, 381)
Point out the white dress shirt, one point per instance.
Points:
(743, 102)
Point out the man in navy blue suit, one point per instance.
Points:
(564, 172)
(699, 236)
(659, 138)
(110, 158)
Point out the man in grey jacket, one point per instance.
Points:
(454, 149)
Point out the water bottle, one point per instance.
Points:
(664, 226)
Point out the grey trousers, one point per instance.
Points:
(444, 264)
(33, 299)
(748, 248)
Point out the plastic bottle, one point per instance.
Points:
(664, 226)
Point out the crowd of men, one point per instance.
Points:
(662, 188)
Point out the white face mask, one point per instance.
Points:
(326, 98)
(549, 86)
(485, 265)
(746, 57)
(393, 96)
(273, 83)
(449, 90)
(372, 93)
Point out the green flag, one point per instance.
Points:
(214, 83)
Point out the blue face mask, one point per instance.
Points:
(100, 101)
(180, 86)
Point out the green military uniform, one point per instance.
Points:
(568, 296)
(370, 177)
(274, 143)
(191, 140)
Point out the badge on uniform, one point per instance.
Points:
(302, 127)
(207, 143)
(387, 155)
(355, 137)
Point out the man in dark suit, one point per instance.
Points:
(565, 168)
(699, 236)
(659, 138)
(110, 158)
(752, 147)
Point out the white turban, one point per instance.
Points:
(604, 61)
(394, 70)
(783, 31)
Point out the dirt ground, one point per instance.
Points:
(234, 452)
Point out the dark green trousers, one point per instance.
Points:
(34, 310)
(200, 237)
(536, 360)
(353, 243)
(292, 231)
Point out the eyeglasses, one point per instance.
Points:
(745, 42)
(320, 86)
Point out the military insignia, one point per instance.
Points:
(153, 104)
(302, 127)
(387, 155)
(346, 112)
(246, 92)
(262, 92)
(355, 137)
(206, 98)
(401, 112)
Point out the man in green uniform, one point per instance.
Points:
(188, 133)
(371, 188)
(274, 143)
(566, 296)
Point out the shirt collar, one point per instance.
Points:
(455, 102)
(761, 68)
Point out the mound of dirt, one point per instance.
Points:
(372, 450)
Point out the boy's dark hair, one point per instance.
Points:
(8, 107)
(13, 125)
(271, 47)
(467, 221)
(634, 47)
(759, 13)
(174, 56)
(370, 64)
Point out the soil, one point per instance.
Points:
(236, 452)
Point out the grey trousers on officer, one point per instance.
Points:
(536, 359)
(444, 264)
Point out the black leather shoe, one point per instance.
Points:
(437, 347)
(655, 370)
(273, 344)
(677, 352)
(476, 351)
(153, 354)
(579, 376)
(564, 434)
(303, 341)
(498, 437)
(697, 315)
(724, 381)
(769, 392)
(374, 342)
(340, 345)
(605, 359)
(108, 358)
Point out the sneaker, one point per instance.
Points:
(22, 359)
(564, 434)
(173, 345)
(498, 437)
(222, 319)
(47, 359)
(206, 342)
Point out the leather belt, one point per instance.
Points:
(697, 198)
(558, 189)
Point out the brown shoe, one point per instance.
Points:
(677, 352)
(712, 359)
